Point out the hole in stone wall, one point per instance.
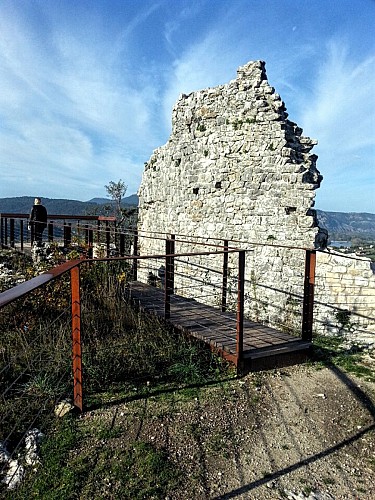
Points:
(195, 190)
(289, 210)
(218, 185)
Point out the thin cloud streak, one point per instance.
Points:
(87, 93)
(55, 114)
(341, 114)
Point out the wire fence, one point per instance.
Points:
(35, 373)
(71, 332)
(65, 334)
(344, 286)
(274, 273)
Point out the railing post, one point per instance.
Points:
(172, 246)
(11, 233)
(6, 231)
(67, 234)
(225, 278)
(107, 237)
(21, 234)
(169, 277)
(308, 295)
(98, 233)
(122, 244)
(90, 242)
(2, 230)
(76, 338)
(65, 240)
(50, 231)
(86, 234)
(240, 305)
(135, 253)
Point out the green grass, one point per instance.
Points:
(72, 470)
(330, 351)
(126, 356)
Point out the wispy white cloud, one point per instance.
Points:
(342, 109)
(67, 111)
(85, 96)
(340, 113)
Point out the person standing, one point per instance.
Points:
(37, 221)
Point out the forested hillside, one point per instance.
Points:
(342, 225)
(23, 204)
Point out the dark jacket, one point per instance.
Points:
(39, 214)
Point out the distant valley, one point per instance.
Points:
(340, 225)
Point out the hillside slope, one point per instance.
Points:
(348, 225)
(23, 204)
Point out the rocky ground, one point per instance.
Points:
(301, 432)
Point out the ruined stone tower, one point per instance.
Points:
(235, 167)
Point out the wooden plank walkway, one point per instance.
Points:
(263, 346)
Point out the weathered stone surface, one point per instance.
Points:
(346, 282)
(236, 168)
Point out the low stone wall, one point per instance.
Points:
(345, 297)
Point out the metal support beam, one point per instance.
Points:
(50, 231)
(11, 232)
(169, 276)
(308, 295)
(76, 338)
(122, 244)
(240, 305)
(225, 278)
(135, 254)
(21, 234)
(107, 237)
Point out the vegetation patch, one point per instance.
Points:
(76, 466)
(332, 351)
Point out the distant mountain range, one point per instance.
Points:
(131, 200)
(348, 225)
(23, 204)
(340, 225)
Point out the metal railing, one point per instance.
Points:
(47, 322)
(175, 265)
(63, 229)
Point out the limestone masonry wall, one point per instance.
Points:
(235, 167)
(345, 296)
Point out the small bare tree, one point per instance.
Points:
(116, 191)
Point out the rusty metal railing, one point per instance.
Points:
(175, 265)
(180, 281)
(14, 231)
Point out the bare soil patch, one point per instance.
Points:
(296, 432)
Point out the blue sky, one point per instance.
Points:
(87, 86)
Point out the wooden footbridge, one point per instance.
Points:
(262, 347)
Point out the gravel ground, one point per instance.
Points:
(299, 432)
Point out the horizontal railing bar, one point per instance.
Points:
(276, 245)
(30, 285)
(161, 256)
(61, 217)
(24, 288)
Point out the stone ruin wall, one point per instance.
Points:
(346, 282)
(236, 168)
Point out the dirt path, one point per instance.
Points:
(314, 431)
(295, 433)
